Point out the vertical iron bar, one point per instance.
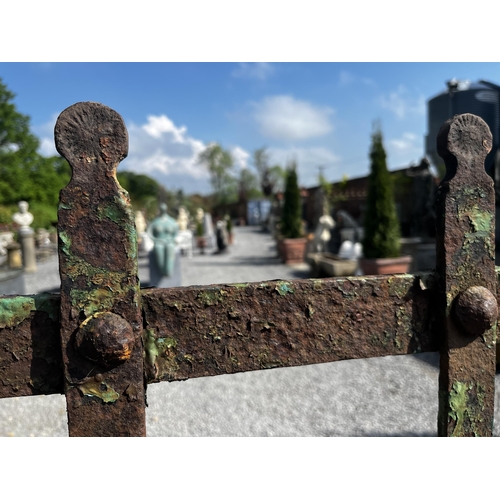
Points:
(101, 320)
(465, 266)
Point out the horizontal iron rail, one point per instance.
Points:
(200, 331)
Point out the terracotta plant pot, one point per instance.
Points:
(294, 250)
(397, 265)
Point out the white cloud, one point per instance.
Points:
(402, 103)
(284, 117)
(158, 148)
(158, 125)
(45, 132)
(162, 147)
(240, 157)
(254, 71)
(404, 150)
(407, 142)
(308, 161)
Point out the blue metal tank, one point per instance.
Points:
(481, 99)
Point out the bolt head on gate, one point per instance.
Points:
(476, 310)
(106, 338)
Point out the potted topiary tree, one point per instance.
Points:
(381, 243)
(229, 228)
(201, 241)
(293, 243)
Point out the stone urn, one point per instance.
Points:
(293, 250)
(396, 265)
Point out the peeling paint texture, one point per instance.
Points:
(65, 344)
(30, 352)
(465, 259)
(99, 273)
(226, 329)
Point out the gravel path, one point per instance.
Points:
(392, 396)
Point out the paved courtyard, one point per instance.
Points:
(392, 396)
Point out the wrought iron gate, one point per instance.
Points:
(102, 340)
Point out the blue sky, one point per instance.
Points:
(321, 114)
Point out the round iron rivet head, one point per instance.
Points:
(476, 309)
(107, 339)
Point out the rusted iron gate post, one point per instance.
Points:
(102, 339)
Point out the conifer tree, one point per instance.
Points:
(381, 223)
(291, 224)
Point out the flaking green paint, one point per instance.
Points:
(159, 354)
(458, 406)
(284, 287)
(14, 310)
(65, 206)
(150, 348)
(399, 286)
(481, 222)
(93, 301)
(100, 390)
(239, 285)
(490, 337)
(112, 211)
(462, 408)
(166, 343)
(317, 284)
(47, 303)
(66, 242)
(104, 287)
(211, 297)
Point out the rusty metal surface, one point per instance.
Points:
(30, 358)
(465, 247)
(30, 350)
(202, 331)
(99, 274)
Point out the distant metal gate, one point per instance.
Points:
(102, 339)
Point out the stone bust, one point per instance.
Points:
(23, 217)
(183, 219)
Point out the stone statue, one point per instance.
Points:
(183, 219)
(322, 235)
(26, 236)
(221, 235)
(163, 231)
(199, 215)
(23, 217)
(140, 222)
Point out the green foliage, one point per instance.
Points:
(291, 221)
(277, 176)
(24, 173)
(199, 228)
(143, 190)
(249, 185)
(219, 163)
(6, 213)
(333, 193)
(382, 231)
(229, 223)
(272, 178)
(43, 215)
